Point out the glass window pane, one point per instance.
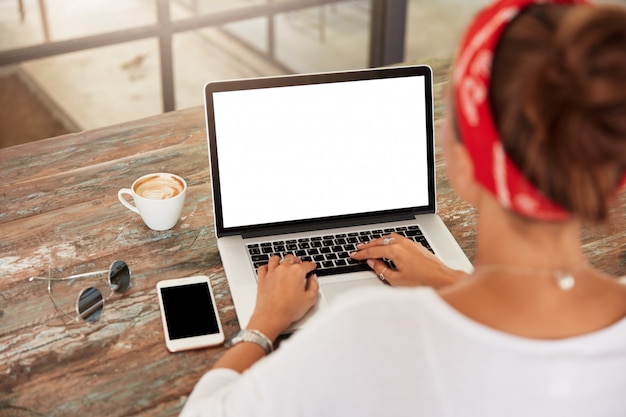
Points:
(102, 86)
(434, 28)
(55, 20)
(181, 9)
(210, 55)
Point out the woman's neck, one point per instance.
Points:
(506, 239)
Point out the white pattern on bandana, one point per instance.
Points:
(499, 175)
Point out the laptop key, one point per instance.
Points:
(260, 258)
(342, 269)
(413, 233)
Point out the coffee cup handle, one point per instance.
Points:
(124, 202)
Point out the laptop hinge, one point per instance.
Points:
(329, 224)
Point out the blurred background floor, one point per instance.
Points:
(19, 103)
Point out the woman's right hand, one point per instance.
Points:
(284, 294)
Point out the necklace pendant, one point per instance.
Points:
(565, 280)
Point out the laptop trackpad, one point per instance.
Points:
(339, 289)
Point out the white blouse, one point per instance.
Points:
(406, 352)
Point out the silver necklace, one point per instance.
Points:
(564, 278)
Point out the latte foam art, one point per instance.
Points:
(159, 188)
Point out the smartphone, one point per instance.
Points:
(189, 314)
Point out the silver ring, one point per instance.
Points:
(291, 260)
(386, 241)
(381, 275)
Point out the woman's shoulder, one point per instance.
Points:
(424, 306)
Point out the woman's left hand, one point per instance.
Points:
(284, 294)
(414, 265)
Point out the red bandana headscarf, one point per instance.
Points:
(472, 74)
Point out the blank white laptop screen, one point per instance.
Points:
(321, 150)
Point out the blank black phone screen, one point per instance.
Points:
(189, 311)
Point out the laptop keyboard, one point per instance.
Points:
(330, 252)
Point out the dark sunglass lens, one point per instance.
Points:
(90, 304)
(119, 277)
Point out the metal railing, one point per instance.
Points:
(387, 27)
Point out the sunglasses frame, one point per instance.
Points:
(90, 302)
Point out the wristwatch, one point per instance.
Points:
(251, 336)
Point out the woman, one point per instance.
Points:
(536, 141)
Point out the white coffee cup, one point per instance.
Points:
(158, 199)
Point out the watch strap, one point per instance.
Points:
(252, 336)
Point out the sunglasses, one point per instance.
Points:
(90, 302)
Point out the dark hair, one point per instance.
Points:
(558, 95)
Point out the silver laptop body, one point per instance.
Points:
(306, 157)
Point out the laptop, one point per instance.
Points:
(313, 164)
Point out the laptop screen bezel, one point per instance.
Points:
(318, 78)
